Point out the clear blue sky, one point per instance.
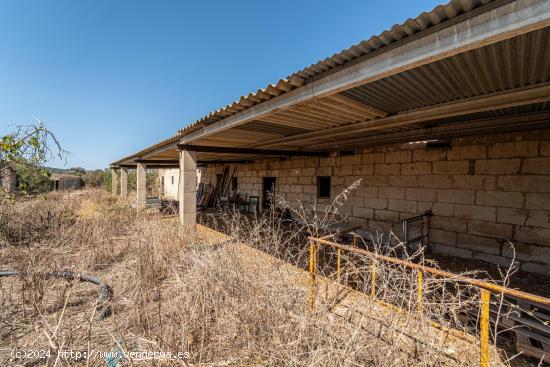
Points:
(111, 77)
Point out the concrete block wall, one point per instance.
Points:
(171, 180)
(170, 190)
(484, 191)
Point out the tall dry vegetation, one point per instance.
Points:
(207, 295)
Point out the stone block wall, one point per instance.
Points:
(483, 191)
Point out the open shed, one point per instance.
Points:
(448, 112)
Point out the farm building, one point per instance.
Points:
(66, 182)
(446, 115)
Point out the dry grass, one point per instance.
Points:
(206, 295)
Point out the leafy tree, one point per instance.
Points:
(78, 170)
(106, 182)
(93, 178)
(33, 180)
(26, 150)
(151, 181)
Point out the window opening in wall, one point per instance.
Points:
(437, 144)
(172, 180)
(323, 187)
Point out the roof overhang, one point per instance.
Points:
(465, 75)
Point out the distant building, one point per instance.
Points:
(8, 179)
(66, 182)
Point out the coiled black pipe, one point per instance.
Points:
(105, 293)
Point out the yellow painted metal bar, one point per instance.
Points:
(373, 280)
(495, 288)
(419, 295)
(311, 272)
(484, 346)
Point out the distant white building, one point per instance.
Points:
(169, 180)
(66, 182)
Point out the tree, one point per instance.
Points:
(78, 170)
(93, 178)
(106, 179)
(26, 150)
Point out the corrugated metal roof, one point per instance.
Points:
(398, 32)
(513, 63)
(170, 140)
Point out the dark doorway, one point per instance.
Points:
(268, 188)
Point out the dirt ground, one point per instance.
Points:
(179, 292)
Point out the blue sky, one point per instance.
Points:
(110, 77)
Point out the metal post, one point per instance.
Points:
(312, 273)
(419, 287)
(484, 347)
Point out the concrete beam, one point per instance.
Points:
(247, 151)
(114, 181)
(157, 161)
(510, 98)
(123, 182)
(141, 186)
(187, 189)
(504, 22)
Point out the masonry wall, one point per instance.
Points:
(484, 191)
(171, 179)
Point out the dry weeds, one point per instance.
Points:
(207, 295)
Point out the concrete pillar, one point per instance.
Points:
(114, 181)
(141, 187)
(123, 182)
(187, 188)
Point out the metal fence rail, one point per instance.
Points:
(485, 288)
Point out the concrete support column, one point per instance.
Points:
(141, 186)
(187, 188)
(123, 182)
(114, 181)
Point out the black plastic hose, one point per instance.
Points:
(105, 293)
